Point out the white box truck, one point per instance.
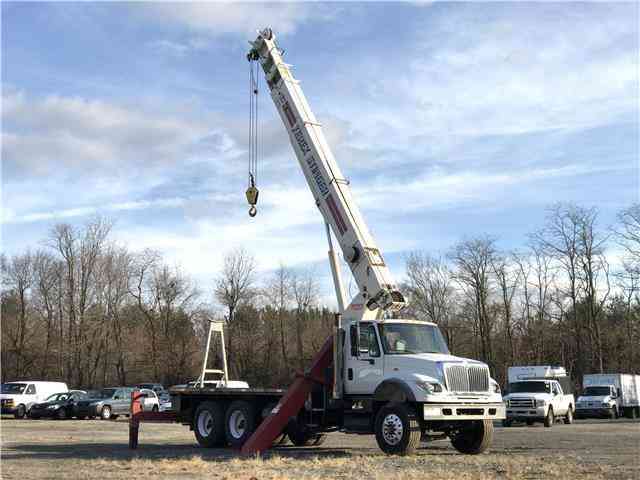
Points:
(538, 394)
(609, 395)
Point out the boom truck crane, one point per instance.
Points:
(393, 378)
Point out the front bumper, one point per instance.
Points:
(44, 412)
(463, 411)
(525, 412)
(593, 412)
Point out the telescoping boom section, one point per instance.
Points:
(329, 187)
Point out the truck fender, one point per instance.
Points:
(394, 390)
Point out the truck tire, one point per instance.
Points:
(61, 414)
(613, 414)
(397, 429)
(299, 435)
(568, 419)
(208, 424)
(475, 439)
(549, 419)
(20, 412)
(530, 422)
(239, 423)
(506, 423)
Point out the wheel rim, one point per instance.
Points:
(106, 412)
(392, 429)
(237, 424)
(205, 423)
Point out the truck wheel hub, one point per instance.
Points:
(237, 424)
(205, 423)
(392, 429)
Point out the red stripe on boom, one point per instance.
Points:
(342, 226)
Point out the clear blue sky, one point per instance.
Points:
(450, 120)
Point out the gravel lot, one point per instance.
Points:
(98, 449)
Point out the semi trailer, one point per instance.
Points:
(377, 374)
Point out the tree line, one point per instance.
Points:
(88, 311)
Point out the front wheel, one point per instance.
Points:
(61, 414)
(506, 423)
(20, 412)
(568, 419)
(613, 414)
(549, 419)
(397, 429)
(475, 438)
(155, 408)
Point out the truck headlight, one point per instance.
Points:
(541, 403)
(605, 404)
(52, 407)
(429, 387)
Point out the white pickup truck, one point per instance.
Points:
(533, 398)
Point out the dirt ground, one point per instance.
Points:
(98, 449)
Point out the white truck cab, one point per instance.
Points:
(536, 395)
(412, 356)
(18, 397)
(598, 401)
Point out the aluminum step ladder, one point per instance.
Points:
(224, 373)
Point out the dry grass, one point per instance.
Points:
(444, 467)
(98, 450)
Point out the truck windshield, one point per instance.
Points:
(530, 387)
(596, 391)
(405, 338)
(14, 388)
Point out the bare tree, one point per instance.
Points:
(305, 291)
(473, 259)
(236, 281)
(19, 276)
(508, 276)
(279, 294)
(431, 292)
(560, 238)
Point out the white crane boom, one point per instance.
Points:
(330, 189)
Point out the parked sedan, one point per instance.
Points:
(58, 405)
(108, 404)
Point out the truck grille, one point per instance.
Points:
(467, 379)
(522, 402)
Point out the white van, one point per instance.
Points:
(18, 397)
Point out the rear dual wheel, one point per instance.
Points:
(208, 425)
(240, 423)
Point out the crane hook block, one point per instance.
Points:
(252, 197)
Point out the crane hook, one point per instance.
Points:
(253, 211)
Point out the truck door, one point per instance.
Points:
(364, 363)
(557, 400)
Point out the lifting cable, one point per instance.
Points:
(252, 190)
